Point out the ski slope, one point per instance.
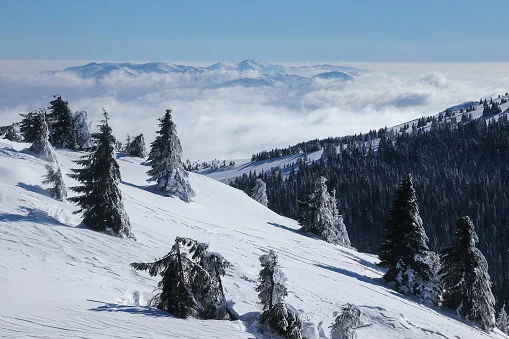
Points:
(58, 280)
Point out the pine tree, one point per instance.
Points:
(41, 146)
(191, 281)
(503, 320)
(259, 192)
(405, 251)
(165, 158)
(13, 133)
(62, 134)
(100, 201)
(82, 130)
(272, 289)
(136, 147)
(281, 317)
(54, 177)
(345, 322)
(320, 215)
(30, 125)
(465, 280)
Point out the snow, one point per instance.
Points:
(61, 281)
(244, 166)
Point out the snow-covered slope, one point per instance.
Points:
(58, 280)
(244, 166)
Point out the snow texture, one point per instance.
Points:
(60, 281)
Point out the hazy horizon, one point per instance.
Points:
(234, 122)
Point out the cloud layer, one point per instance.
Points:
(235, 121)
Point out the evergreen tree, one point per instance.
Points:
(503, 320)
(100, 199)
(281, 317)
(272, 287)
(346, 322)
(55, 178)
(41, 146)
(136, 147)
(191, 281)
(82, 130)
(165, 158)
(259, 192)
(319, 215)
(62, 134)
(30, 125)
(405, 251)
(465, 280)
(13, 133)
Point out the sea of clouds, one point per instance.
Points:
(233, 122)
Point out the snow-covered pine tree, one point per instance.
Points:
(62, 134)
(465, 280)
(345, 323)
(100, 199)
(340, 229)
(281, 317)
(136, 147)
(319, 215)
(272, 288)
(41, 145)
(165, 158)
(503, 320)
(55, 178)
(191, 281)
(30, 126)
(13, 133)
(82, 130)
(411, 265)
(259, 192)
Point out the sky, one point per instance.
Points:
(285, 30)
(422, 57)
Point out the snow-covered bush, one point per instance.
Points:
(283, 319)
(259, 192)
(345, 323)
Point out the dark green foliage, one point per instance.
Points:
(191, 281)
(405, 251)
(165, 160)
(100, 199)
(283, 319)
(279, 316)
(136, 147)
(61, 123)
(456, 171)
(55, 178)
(13, 133)
(30, 126)
(465, 280)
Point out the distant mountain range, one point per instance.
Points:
(247, 73)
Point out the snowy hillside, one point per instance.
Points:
(244, 166)
(58, 280)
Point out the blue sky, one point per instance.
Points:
(286, 30)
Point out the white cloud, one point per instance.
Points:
(233, 122)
